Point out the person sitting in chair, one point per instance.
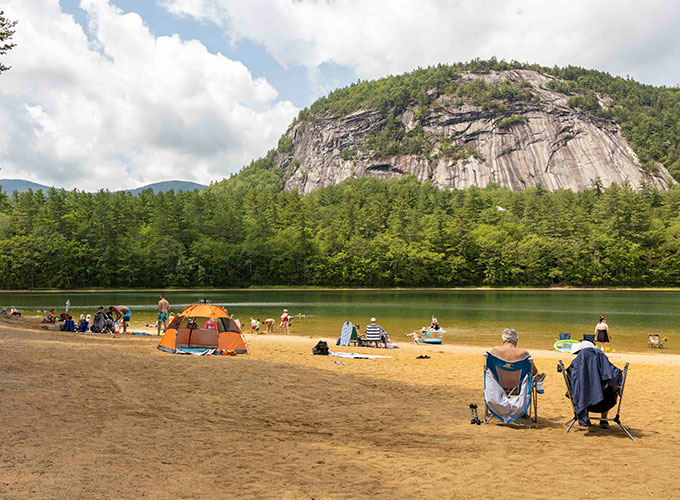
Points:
(510, 352)
(594, 383)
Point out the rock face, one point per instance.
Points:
(550, 144)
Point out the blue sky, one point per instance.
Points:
(121, 93)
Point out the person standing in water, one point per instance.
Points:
(435, 323)
(285, 322)
(602, 334)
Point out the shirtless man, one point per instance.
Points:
(122, 312)
(510, 352)
(163, 310)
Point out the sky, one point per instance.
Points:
(121, 93)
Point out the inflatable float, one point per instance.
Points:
(432, 341)
(564, 345)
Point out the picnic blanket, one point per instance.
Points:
(355, 355)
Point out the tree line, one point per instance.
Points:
(248, 231)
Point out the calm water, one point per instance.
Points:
(469, 316)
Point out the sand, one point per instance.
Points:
(91, 416)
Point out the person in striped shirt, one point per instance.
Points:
(375, 334)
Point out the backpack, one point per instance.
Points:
(321, 348)
(99, 322)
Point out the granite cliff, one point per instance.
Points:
(525, 134)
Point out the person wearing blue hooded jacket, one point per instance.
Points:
(594, 382)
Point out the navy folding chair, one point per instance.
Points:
(619, 393)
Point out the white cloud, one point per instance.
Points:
(379, 37)
(124, 107)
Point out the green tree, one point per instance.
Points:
(6, 33)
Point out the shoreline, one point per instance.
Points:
(341, 289)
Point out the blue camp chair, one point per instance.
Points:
(590, 337)
(565, 336)
(509, 404)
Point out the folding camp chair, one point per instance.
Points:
(374, 336)
(356, 339)
(655, 340)
(509, 404)
(565, 336)
(619, 392)
(590, 337)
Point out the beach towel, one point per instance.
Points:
(504, 407)
(195, 351)
(355, 355)
(346, 333)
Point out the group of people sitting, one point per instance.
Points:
(419, 336)
(14, 312)
(375, 336)
(103, 321)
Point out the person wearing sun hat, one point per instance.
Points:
(285, 322)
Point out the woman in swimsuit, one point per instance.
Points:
(602, 334)
(285, 322)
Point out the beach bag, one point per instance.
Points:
(321, 348)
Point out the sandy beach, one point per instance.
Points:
(93, 416)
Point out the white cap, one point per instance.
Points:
(372, 320)
(285, 310)
(575, 348)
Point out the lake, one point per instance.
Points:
(474, 317)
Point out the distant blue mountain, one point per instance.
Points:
(11, 185)
(162, 187)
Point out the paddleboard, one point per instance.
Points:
(564, 345)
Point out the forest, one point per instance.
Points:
(248, 231)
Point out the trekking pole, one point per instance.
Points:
(474, 418)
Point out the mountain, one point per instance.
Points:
(162, 187)
(11, 185)
(471, 124)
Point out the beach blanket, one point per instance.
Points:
(196, 351)
(355, 355)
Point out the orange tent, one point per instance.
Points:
(203, 326)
